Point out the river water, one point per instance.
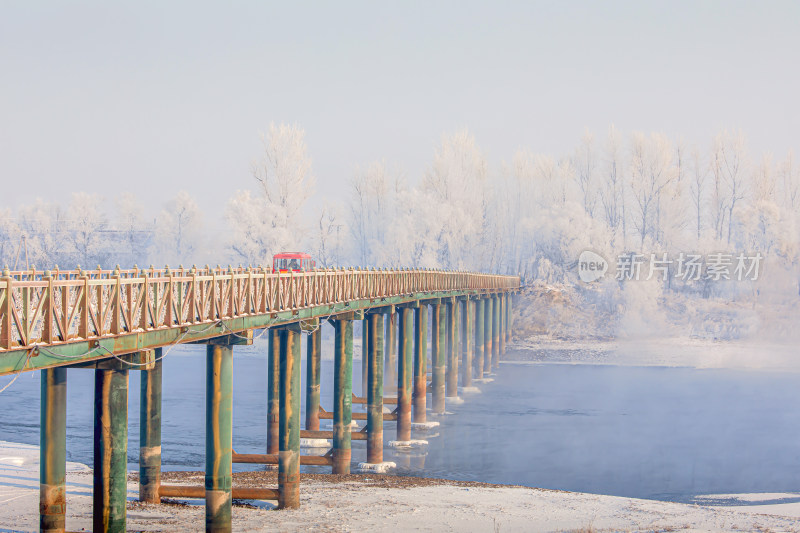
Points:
(648, 432)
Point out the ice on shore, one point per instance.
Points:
(376, 468)
(315, 443)
(16, 457)
(424, 425)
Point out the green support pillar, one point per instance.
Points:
(53, 450)
(313, 357)
(110, 449)
(150, 432)
(289, 452)
(343, 392)
(273, 390)
(502, 328)
(404, 375)
(390, 349)
(510, 317)
(479, 322)
(451, 387)
(487, 335)
(495, 333)
(364, 356)
(219, 436)
(420, 363)
(438, 345)
(375, 390)
(466, 347)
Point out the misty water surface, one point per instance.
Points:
(647, 432)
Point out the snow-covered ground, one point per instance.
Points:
(365, 505)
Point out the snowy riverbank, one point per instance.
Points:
(389, 503)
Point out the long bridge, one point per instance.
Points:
(117, 320)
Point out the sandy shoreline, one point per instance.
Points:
(392, 503)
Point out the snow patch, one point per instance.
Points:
(424, 425)
(315, 443)
(408, 444)
(376, 468)
(18, 457)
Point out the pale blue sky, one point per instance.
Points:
(154, 97)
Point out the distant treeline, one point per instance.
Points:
(532, 215)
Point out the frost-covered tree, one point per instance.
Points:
(271, 221)
(729, 168)
(10, 238)
(133, 233)
(585, 162)
(789, 182)
(87, 229)
(697, 188)
(374, 194)
(44, 229)
(179, 232)
(329, 236)
(519, 199)
(456, 180)
(651, 172)
(612, 198)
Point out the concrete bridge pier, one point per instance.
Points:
(438, 345)
(342, 395)
(405, 374)
(313, 359)
(219, 436)
(488, 312)
(503, 312)
(390, 352)
(110, 476)
(150, 431)
(420, 363)
(53, 450)
(495, 332)
(466, 339)
(451, 388)
(273, 390)
(289, 406)
(364, 356)
(479, 322)
(510, 317)
(375, 361)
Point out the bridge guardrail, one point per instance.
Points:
(47, 307)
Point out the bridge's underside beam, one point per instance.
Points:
(75, 352)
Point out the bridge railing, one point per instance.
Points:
(56, 307)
